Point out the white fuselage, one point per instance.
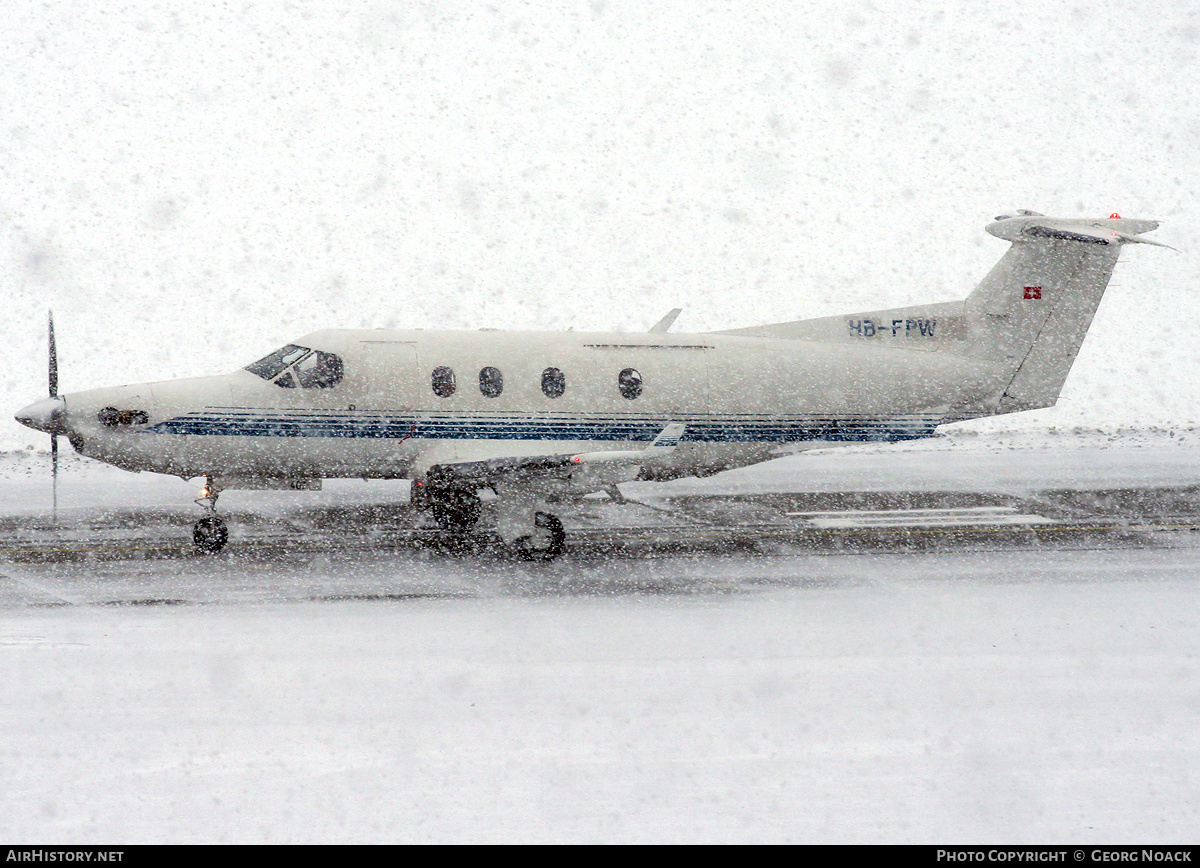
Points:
(535, 416)
(739, 397)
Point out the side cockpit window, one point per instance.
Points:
(313, 368)
(319, 370)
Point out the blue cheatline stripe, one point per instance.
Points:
(218, 422)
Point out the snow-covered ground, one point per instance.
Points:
(1027, 694)
(961, 698)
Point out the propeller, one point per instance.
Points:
(49, 415)
(52, 376)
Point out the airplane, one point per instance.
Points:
(540, 418)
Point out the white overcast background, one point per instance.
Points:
(191, 185)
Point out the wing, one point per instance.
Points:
(588, 471)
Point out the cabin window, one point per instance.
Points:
(554, 383)
(629, 381)
(319, 370)
(491, 382)
(443, 381)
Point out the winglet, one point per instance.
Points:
(667, 439)
(666, 322)
(664, 444)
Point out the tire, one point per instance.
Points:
(456, 510)
(210, 535)
(550, 542)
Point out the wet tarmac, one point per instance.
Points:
(113, 555)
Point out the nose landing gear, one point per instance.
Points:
(209, 534)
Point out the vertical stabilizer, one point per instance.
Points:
(1033, 309)
(1030, 315)
(1023, 325)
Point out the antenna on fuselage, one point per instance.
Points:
(666, 322)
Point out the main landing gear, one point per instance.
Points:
(530, 534)
(456, 510)
(209, 534)
(547, 541)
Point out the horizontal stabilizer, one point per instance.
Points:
(1113, 230)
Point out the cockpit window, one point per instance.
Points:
(271, 365)
(319, 370)
(313, 368)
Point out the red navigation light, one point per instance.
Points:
(1114, 216)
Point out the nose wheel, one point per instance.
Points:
(209, 534)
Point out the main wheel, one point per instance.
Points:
(210, 535)
(546, 542)
(456, 510)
